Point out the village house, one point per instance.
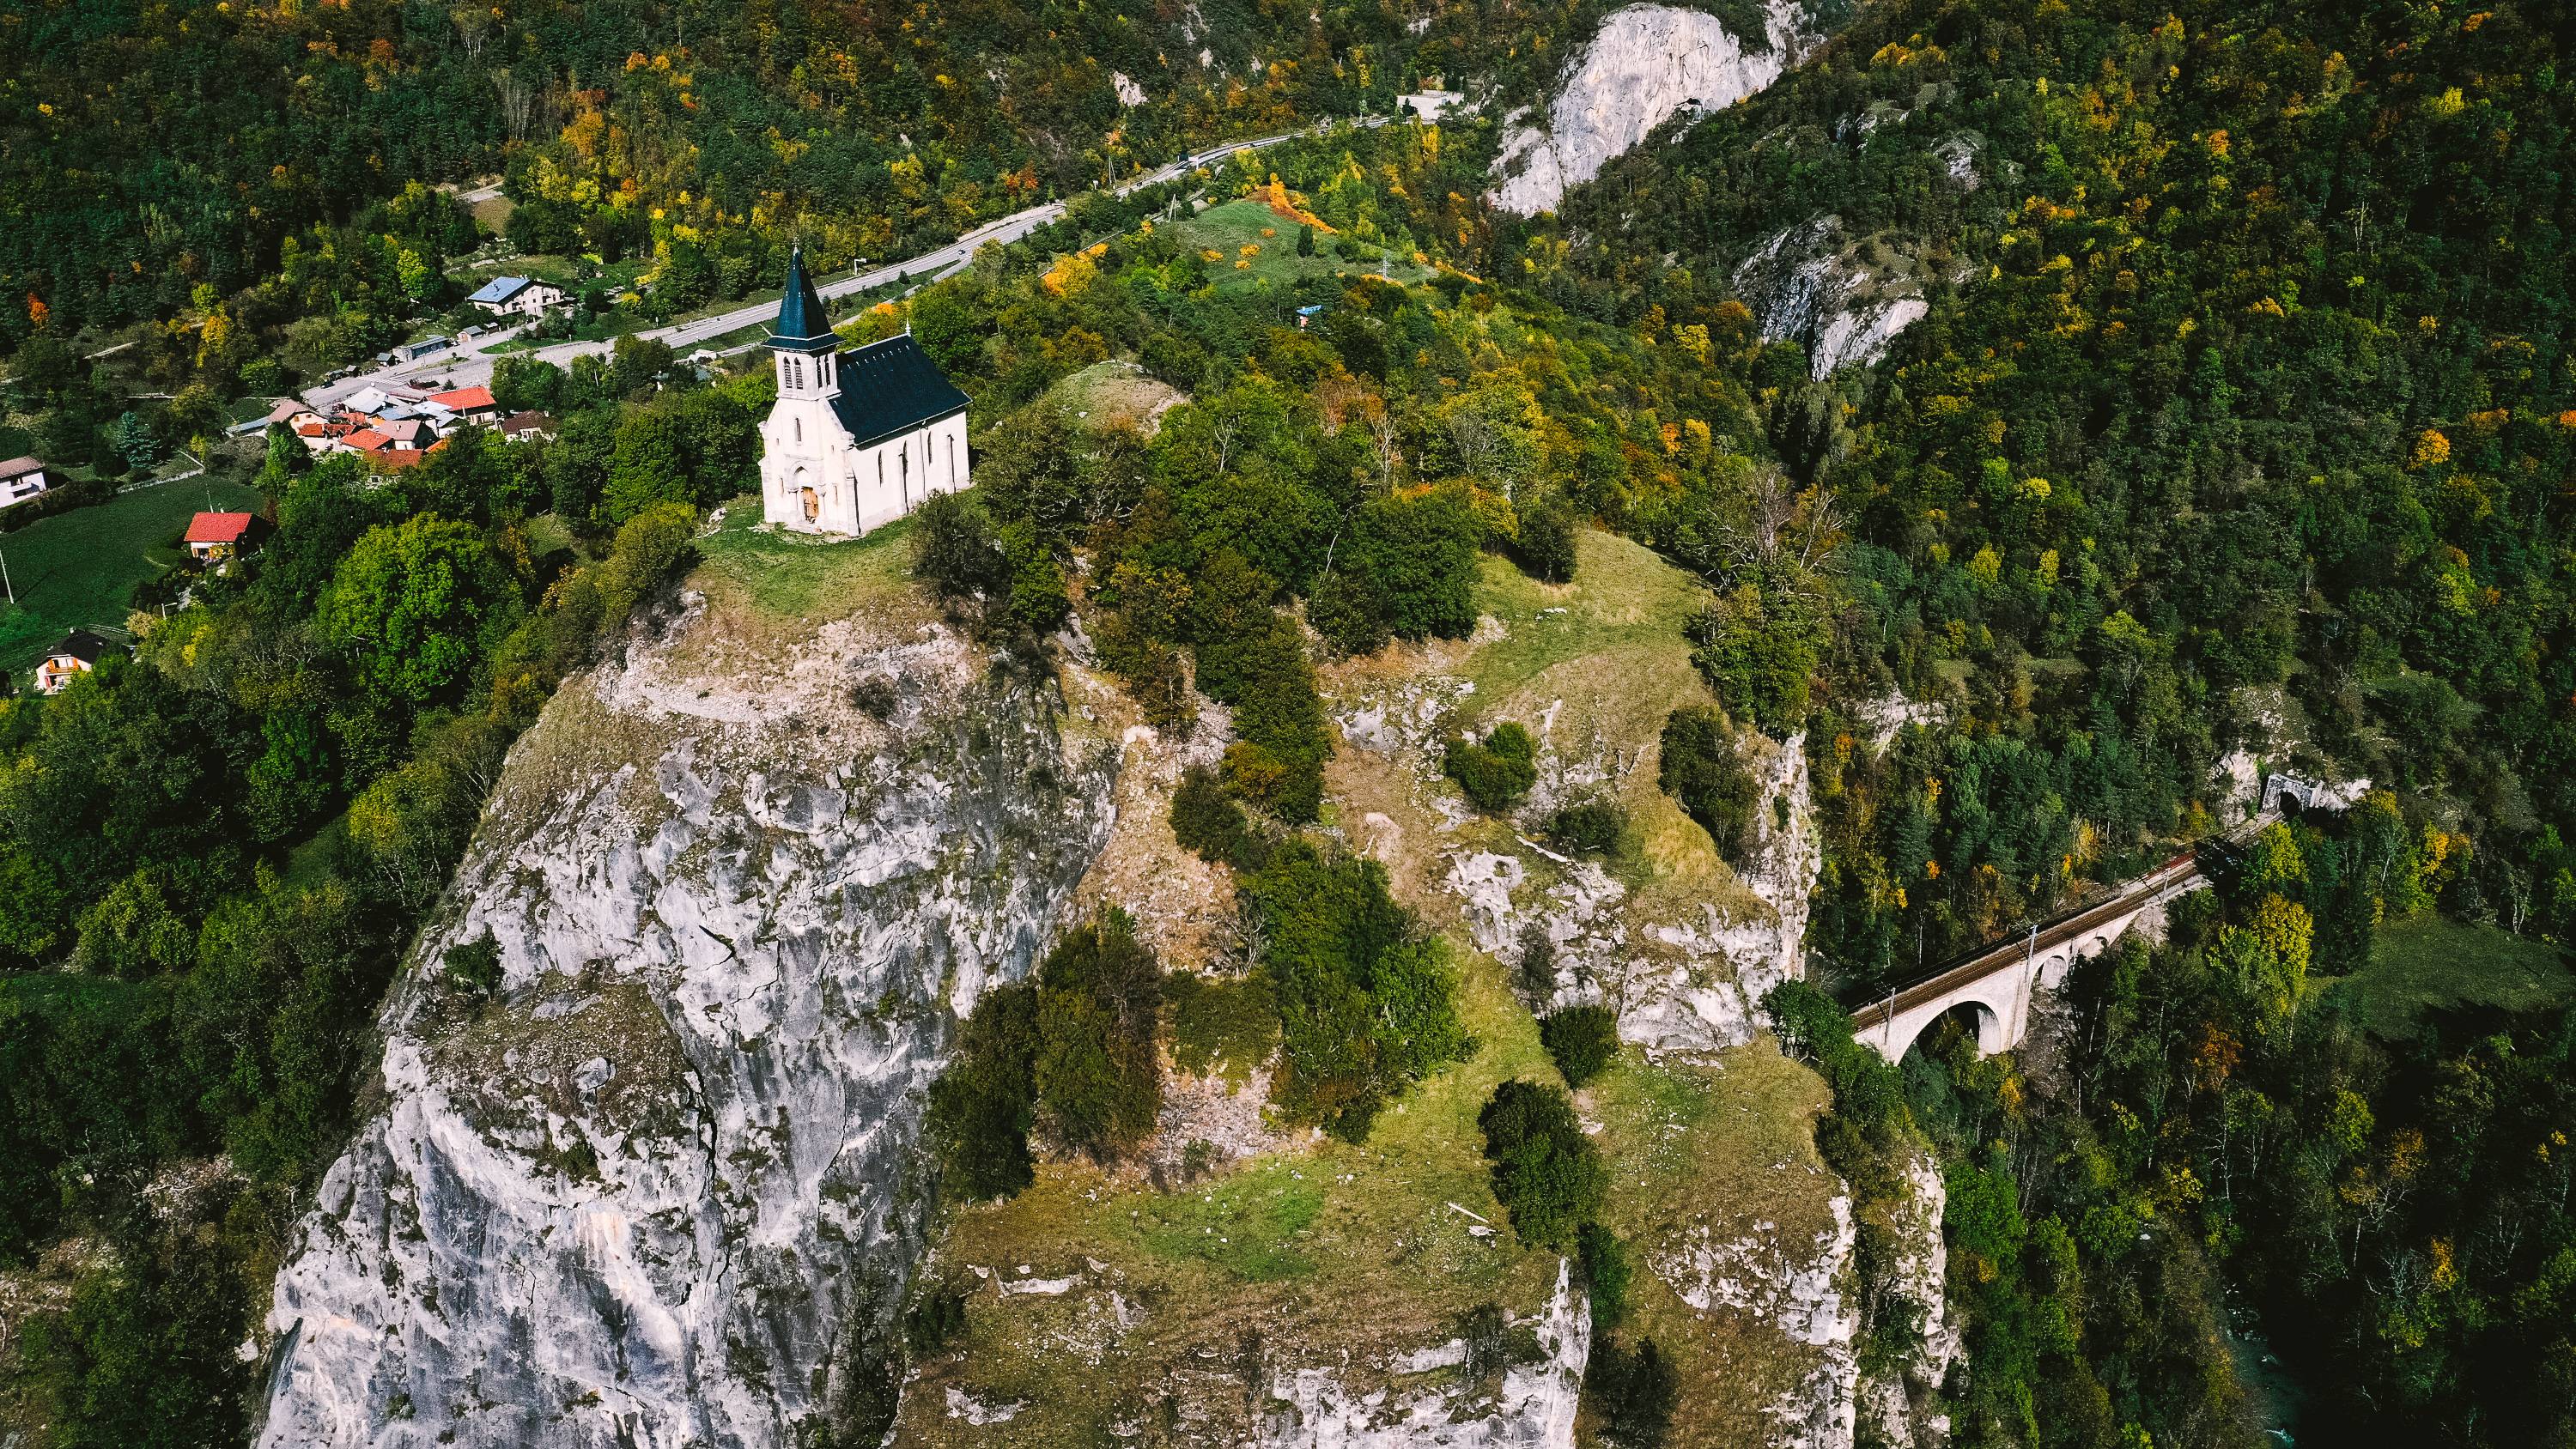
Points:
(77, 654)
(214, 537)
(289, 411)
(526, 427)
(469, 404)
(857, 438)
(517, 297)
(20, 480)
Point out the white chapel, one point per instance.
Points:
(858, 438)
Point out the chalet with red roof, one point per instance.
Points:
(470, 404)
(214, 537)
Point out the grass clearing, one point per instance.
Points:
(1594, 667)
(1198, 1295)
(1247, 1223)
(78, 570)
(2430, 965)
(1231, 226)
(767, 587)
(1115, 394)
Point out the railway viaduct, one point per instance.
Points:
(2000, 980)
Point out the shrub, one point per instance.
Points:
(651, 547)
(1039, 600)
(1702, 770)
(1365, 1003)
(954, 549)
(1149, 665)
(1417, 554)
(1547, 1174)
(1496, 773)
(1349, 613)
(1811, 1026)
(936, 1319)
(1588, 827)
(1583, 1039)
(1227, 1025)
(1494, 1344)
(1072, 1051)
(1759, 653)
(1206, 820)
(132, 931)
(473, 968)
(1607, 1270)
(1634, 1393)
(982, 1107)
(1099, 1079)
(1278, 761)
(1537, 961)
(1544, 541)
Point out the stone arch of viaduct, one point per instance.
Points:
(2001, 981)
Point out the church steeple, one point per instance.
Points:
(802, 325)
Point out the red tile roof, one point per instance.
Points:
(368, 440)
(20, 468)
(218, 527)
(466, 400)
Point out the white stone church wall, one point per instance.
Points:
(897, 475)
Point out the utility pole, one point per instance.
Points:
(4, 579)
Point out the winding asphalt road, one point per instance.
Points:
(472, 366)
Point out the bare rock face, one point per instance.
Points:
(1800, 1287)
(1844, 300)
(1687, 1009)
(1533, 1408)
(1646, 64)
(664, 1189)
(1898, 1403)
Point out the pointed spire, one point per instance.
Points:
(802, 325)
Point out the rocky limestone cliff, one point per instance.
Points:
(1690, 977)
(1533, 1408)
(1898, 1404)
(663, 1190)
(1844, 300)
(1646, 64)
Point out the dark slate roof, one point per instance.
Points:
(82, 645)
(802, 325)
(892, 387)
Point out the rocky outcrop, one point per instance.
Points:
(1844, 300)
(1532, 1409)
(1682, 1007)
(664, 1189)
(1898, 1402)
(1646, 64)
(1698, 981)
(1801, 1288)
